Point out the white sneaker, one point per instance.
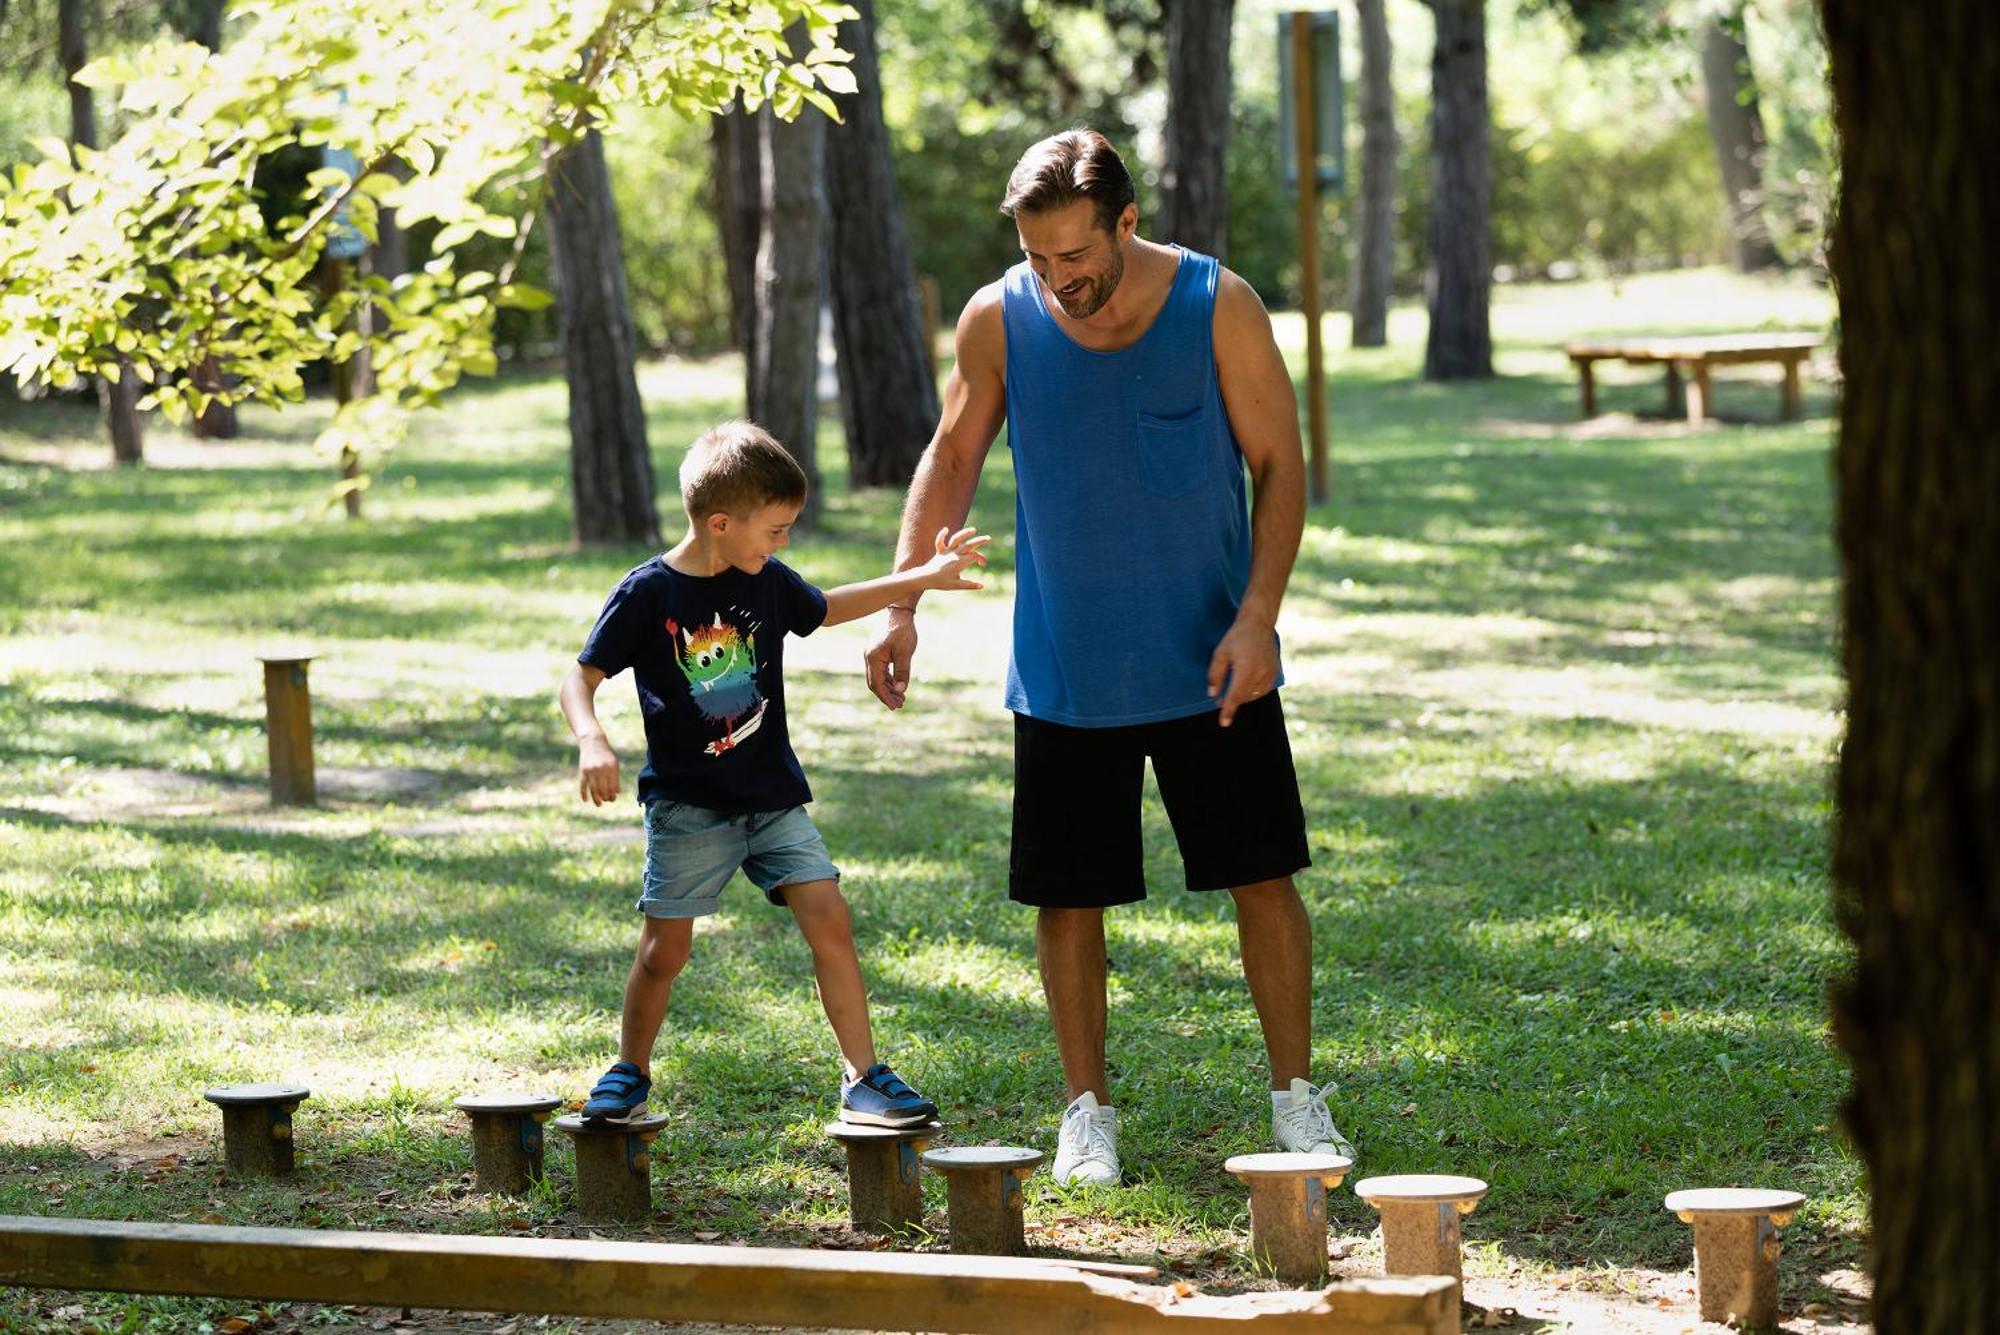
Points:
(1301, 1123)
(1087, 1144)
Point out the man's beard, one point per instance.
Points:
(1098, 292)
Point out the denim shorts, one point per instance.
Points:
(691, 852)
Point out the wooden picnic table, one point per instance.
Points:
(1689, 359)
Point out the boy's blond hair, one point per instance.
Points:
(738, 467)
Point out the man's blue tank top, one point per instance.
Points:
(1132, 530)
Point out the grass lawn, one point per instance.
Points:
(1562, 696)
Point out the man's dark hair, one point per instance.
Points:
(1066, 167)
(737, 467)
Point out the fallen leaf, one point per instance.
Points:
(1183, 1289)
(706, 1235)
(233, 1325)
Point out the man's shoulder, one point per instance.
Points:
(981, 341)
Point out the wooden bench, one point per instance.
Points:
(1690, 359)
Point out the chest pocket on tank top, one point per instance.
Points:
(1173, 452)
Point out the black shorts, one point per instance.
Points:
(1231, 794)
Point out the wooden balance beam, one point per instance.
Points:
(676, 1282)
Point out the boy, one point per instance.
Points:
(703, 628)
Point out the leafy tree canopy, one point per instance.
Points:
(152, 253)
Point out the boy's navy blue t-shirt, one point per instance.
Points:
(707, 654)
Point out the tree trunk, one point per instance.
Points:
(739, 213)
(1916, 859)
(1375, 224)
(888, 398)
(791, 276)
(610, 468)
(1460, 281)
(119, 401)
(218, 420)
(1194, 186)
(1736, 129)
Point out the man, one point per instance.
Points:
(1137, 381)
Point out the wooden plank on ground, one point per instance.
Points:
(676, 1282)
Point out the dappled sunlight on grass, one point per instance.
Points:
(1562, 698)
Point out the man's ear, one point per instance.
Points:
(1128, 223)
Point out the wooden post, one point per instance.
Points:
(1288, 1210)
(1420, 1220)
(288, 726)
(1303, 117)
(884, 1178)
(507, 1138)
(1700, 392)
(257, 1127)
(983, 1194)
(614, 1167)
(1791, 392)
(927, 296)
(1587, 382)
(1736, 1250)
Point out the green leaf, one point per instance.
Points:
(107, 72)
(522, 297)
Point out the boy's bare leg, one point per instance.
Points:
(663, 952)
(823, 920)
(1069, 944)
(1275, 936)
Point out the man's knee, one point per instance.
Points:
(1278, 893)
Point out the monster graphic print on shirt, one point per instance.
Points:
(720, 664)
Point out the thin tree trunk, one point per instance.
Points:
(791, 275)
(1460, 281)
(739, 210)
(1916, 859)
(218, 420)
(1194, 186)
(888, 399)
(1375, 224)
(120, 400)
(1736, 128)
(610, 467)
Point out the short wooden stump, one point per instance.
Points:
(1420, 1220)
(983, 1196)
(1736, 1249)
(1288, 1210)
(507, 1138)
(884, 1174)
(614, 1167)
(257, 1127)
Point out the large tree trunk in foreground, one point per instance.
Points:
(119, 401)
(1194, 187)
(888, 396)
(1917, 827)
(791, 276)
(736, 162)
(1375, 226)
(1736, 128)
(611, 471)
(1460, 281)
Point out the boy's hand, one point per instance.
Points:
(597, 771)
(955, 551)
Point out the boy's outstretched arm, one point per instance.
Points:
(952, 553)
(596, 763)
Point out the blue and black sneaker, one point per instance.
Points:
(619, 1096)
(878, 1097)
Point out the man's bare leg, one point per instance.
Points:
(1275, 937)
(1069, 943)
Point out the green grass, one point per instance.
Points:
(1563, 702)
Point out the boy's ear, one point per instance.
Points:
(717, 524)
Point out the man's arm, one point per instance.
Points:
(1264, 415)
(596, 763)
(975, 405)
